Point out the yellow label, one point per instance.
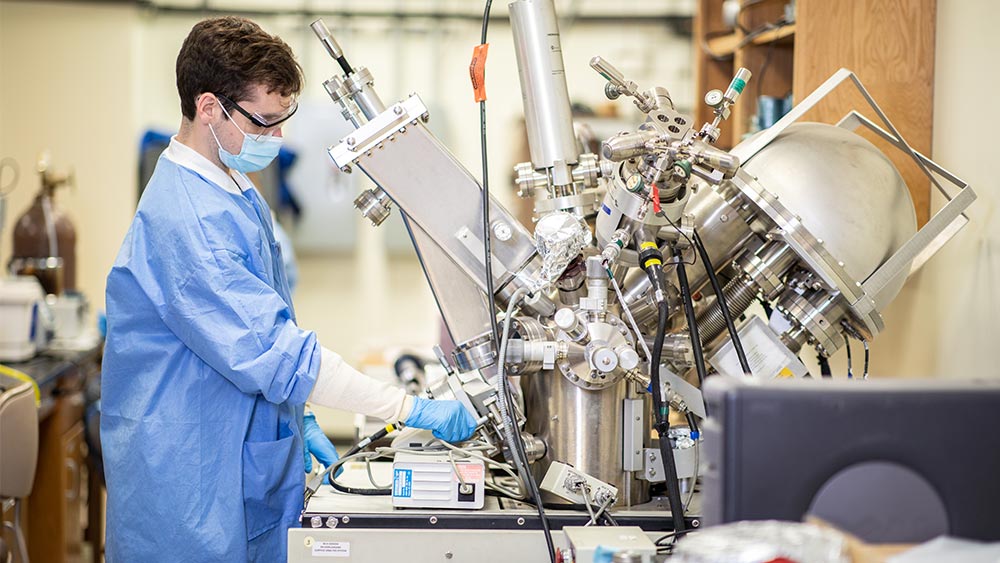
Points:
(653, 262)
(648, 244)
(785, 373)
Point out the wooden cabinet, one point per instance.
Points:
(889, 44)
(56, 512)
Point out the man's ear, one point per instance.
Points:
(207, 109)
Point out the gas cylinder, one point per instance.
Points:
(45, 238)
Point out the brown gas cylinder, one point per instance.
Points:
(45, 239)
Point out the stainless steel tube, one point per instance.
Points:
(547, 111)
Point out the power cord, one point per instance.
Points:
(518, 446)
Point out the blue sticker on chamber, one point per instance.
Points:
(402, 480)
(606, 209)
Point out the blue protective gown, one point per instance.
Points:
(204, 380)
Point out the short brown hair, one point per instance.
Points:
(229, 55)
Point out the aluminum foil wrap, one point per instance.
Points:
(762, 541)
(559, 238)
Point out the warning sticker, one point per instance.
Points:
(470, 471)
(331, 549)
(402, 483)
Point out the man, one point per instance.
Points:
(205, 370)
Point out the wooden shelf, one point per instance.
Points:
(727, 44)
(889, 44)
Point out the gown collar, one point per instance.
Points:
(186, 157)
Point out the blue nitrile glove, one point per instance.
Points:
(449, 420)
(317, 444)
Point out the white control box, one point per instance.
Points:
(430, 481)
(597, 543)
(565, 482)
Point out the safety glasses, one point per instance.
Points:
(269, 125)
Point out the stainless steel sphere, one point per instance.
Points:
(847, 192)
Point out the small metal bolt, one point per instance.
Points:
(346, 519)
(308, 542)
(695, 523)
(433, 520)
(554, 418)
(331, 522)
(398, 110)
(402, 130)
(350, 141)
(652, 471)
(345, 169)
(638, 418)
(723, 217)
(448, 555)
(520, 521)
(316, 521)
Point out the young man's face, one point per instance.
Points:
(268, 107)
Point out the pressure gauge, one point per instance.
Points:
(634, 183)
(713, 98)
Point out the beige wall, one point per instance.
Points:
(944, 323)
(67, 78)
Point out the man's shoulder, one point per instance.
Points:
(182, 218)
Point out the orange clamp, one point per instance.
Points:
(477, 71)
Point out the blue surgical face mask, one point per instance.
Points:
(255, 154)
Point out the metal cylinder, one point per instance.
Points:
(547, 113)
(717, 210)
(576, 426)
(325, 37)
(627, 145)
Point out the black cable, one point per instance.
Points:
(317, 479)
(682, 280)
(824, 366)
(662, 425)
(363, 492)
(850, 362)
(723, 304)
(487, 250)
(518, 445)
(692, 424)
(864, 374)
(651, 260)
(663, 215)
(766, 306)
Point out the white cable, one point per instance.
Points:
(586, 502)
(606, 506)
(628, 315)
(509, 427)
(697, 449)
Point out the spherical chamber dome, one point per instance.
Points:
(847, 192)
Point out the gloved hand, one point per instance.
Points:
(317, 444)
(449, 420)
